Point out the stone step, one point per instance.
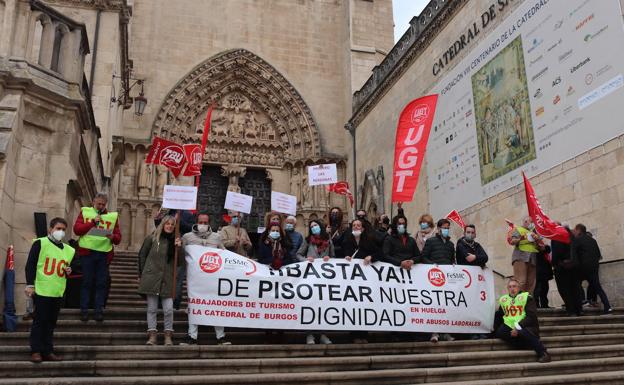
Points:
(171, 366)
(140, 351)
(412, 375)
(120, 313)
(109, 333)
(609, 377)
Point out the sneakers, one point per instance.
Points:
(98, 317)
(189, 341)
(447, 337)
(84, 317)
(434, 337)
(325, 340)
(608, 311)
(223, 341)
(360, 341)
(544, 358)
(310, 339)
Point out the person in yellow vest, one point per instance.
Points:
(516, 321)
(523, 259)
(99, 231)
(47, 268)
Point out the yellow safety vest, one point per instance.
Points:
(525, 244)
(50, 279)
(513, 308)
(98, 242)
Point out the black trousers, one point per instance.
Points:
(541, 292)
(44, 322)
(524, 339)
(593, 278)
(569, 286)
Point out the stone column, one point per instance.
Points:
(233, 173)
(47, 42)
(133, 214)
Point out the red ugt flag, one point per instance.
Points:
(167, 153)
(411, 143)
(544, 226)
(341, 188)
(455, 217)
(194, 159)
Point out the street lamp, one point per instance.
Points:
(140, 102)
(126, 100)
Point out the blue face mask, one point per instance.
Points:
(290, 227)
(274, 234)
(401, 229)
(424, 226)
(316, 230)
(444, 232)
(234, 220)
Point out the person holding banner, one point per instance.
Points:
(99, 231)
(317, 245)
(296, 238)
(47, 286)
(361, 243)
(426, 230)
(156, 258)
(524, 256)
(439, 250)
(516, 320)
(274, 247)
(235, 237)
(336, 230)
(399, 248)
(202, 235)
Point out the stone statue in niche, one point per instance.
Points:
(295, 185)
(250, 123)
(144, 184)
(306, 190)
(162, 178)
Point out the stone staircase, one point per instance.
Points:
(585, 350)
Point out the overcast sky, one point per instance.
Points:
(404, 10)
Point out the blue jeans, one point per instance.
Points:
(94, 270)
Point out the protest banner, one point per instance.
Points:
(238, 202)
(411, 144)
(226, 289)
(283, 203)
(180, 197)
(322, 174)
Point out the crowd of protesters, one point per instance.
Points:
(384, 239)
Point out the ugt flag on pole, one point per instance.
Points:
(167, 153)
(544, 226)
(411, 143)
(455, 217)
(341, 188)
(195, 152)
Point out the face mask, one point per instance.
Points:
(290, 227)
(316, 230)
(401, 229)
(469, 237)
(424, 226)
(58, 235)
(274, 234)
(234, 220)
(444, 232)
(356, 233)
(202, 228)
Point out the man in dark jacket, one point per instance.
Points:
(469, 251)
(543, 274)
(516, 321)
(399, 248)
(439, 250)
(567, 276)
(586, 251)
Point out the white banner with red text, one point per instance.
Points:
(226, 289)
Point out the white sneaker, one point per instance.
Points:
(447, 337)
(310, 339)
(434, 337)
(325, 340)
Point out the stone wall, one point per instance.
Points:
(587, 189)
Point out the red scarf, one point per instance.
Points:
(278, 255)
(320, 243)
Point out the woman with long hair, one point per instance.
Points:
(427, 230)
(156, 259)
(316, 245)
(274, 247)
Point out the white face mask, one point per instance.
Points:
(202, 228)
(356, 233)
(58, 235)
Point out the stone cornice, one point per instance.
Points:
(423, 29)
(108, 5)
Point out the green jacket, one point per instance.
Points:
(156, 267)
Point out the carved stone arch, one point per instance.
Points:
(259, 118)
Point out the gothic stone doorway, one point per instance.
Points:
(211, 195)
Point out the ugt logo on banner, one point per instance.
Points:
(411, 143)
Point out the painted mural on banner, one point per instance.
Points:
(544, 86)
(226, 289)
